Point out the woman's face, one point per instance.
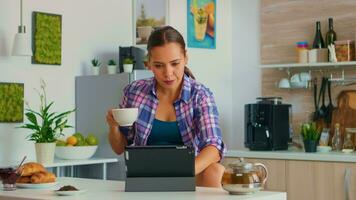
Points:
(167, 64)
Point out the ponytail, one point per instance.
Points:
(188, 72)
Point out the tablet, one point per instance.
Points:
(159, 161)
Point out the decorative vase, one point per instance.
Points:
(111, 69)
(45, 152)
(144, 32)
(128, 68)
(95, 70)
(310, 145)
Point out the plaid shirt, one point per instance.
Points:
(196, 114)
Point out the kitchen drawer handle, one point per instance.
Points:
(347, 183)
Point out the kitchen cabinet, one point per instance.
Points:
(320, 180)
(309, 180)
(276, 171)
(345, 180)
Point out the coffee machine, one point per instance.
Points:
(267, 124)
(137, 54)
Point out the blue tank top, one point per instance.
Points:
(164, 133)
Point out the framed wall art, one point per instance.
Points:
(201, 23)
(46, 38)
(148, 15)
(11, 102)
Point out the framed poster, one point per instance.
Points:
(46, 38)
(148, 15)
(201, 23)
(11, 102)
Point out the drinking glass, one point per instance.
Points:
(9, 176)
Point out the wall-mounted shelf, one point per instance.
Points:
(304, 65)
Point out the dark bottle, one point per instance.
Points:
(330, 35)
(318, 39)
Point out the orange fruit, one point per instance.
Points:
(69, 145)
(209, 8)
(72, 140)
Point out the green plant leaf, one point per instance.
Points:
(45, 124)
(310, 131)
(32, 118)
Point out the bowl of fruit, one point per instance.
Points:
(77, 147)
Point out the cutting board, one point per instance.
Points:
(345, 113)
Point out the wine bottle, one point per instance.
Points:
(330, 35)
(318, 39)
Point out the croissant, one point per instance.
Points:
(31, 168)
(24, 179)
(43, 177)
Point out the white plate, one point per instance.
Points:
(347, 150)
(69, 193)
(36, 186)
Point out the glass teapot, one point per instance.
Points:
(241, 172)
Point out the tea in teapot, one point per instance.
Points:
(242, 177)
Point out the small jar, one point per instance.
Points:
(348, 145)
(345, 50)
(302, 52)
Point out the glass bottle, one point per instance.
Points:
(336, 143)
(348, 144)
(330, 37)
(331, 34)
(318, 39)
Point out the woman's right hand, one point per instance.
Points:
(110, 119)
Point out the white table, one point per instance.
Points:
(58, 163)
(114, 190)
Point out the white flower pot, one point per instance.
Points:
(144, 32)
(45, 152)
(111, 69)
(96, 70)
(128, 68)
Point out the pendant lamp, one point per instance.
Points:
(22, 43)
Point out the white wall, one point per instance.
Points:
(212, 67)
(246, 78)
(89, 29)
(96, 28)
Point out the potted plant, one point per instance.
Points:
(311, 135)
(128, 64)
(46, 127)
(96, 66)
(111, 67)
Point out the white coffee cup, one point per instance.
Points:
(284, 83)
(125, 116)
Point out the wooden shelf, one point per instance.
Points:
(305, 65)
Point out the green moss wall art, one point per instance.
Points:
(11, 102)
(46, 38)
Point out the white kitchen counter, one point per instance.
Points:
(294, 155)
(107, 190)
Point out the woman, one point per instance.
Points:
(172, 100)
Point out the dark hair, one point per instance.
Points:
(164, 35)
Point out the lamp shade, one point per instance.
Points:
(22, 45)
